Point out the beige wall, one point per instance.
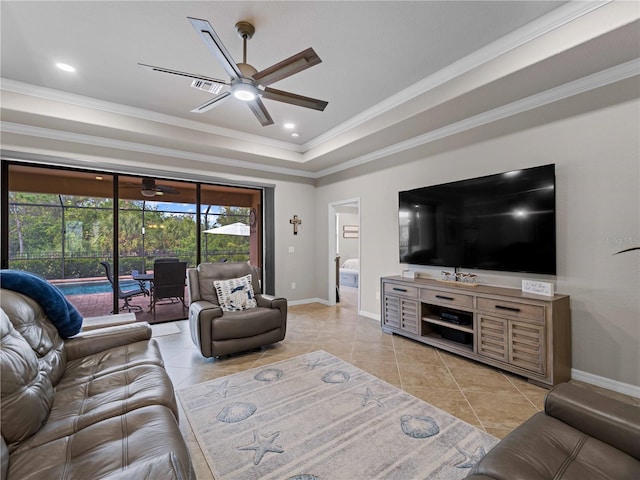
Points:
(298, 267)
(598, 213)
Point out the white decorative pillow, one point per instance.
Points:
(235, 294)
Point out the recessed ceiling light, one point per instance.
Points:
(98, 177)
(295, 134)
(289, 126)
(65, 67)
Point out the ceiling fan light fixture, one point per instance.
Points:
(244, 92)
(146, 192)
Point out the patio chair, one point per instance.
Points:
(168, 283)
(218, 332)
(124, 295)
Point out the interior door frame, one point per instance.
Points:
(333, 247)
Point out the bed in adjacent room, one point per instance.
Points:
(349, 272)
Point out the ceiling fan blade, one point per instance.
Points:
(216, 46)
(167, 189)
(208, 105)
(286, 68)
(260, 111)
(294, 99)
(182, 74)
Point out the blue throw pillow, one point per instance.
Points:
(62, 314)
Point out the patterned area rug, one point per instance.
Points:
(316, 417)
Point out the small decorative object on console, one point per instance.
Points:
(459, 278)
(537, 288)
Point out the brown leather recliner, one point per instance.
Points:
(581, 435)
(216, 332)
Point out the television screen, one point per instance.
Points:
(503, 222)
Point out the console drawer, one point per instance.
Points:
(522, 311)
(401, 290)
(452, 299)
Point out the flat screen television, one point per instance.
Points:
(503, 222)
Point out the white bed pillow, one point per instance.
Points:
(235, 294)
(351, 264)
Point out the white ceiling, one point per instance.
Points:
(383, 64)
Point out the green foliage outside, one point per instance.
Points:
(66, 237)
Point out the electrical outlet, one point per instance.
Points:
(292, 249)
(377, 295)
(293, 285)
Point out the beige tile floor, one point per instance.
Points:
(490, 399)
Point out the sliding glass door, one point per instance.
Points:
(64, 226)
(60, 228)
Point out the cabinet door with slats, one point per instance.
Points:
(409, 315)
(391, 311)
(526, 347)
(492, 337)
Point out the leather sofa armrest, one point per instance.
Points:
(280, 303)
(94, 341)
(205, 309)
(201, 316)
(269, 301)
(607, 419)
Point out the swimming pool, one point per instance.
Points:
(86, 288)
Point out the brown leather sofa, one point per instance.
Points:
(581, 435)
(97, 405)
(218, 333)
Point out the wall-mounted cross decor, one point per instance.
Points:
(295, 221)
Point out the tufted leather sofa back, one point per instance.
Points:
(27, 392)
(30, 320)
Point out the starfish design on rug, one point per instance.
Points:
(262, 445)
(313, 364)
(470, 459)
(369, 397)
(219, 390)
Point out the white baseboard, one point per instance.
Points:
(614, 385)
(305, 301)
(373, 316)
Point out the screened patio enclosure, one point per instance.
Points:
(63, 223)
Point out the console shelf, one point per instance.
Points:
(529, 335)
(443, 323)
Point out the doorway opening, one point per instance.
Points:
(344, 253)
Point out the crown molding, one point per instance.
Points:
(119, 109)
(596, 80)
(590, 82)
(553, 20)
(92, 140)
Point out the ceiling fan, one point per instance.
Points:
(149, 188)
(246, 82)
